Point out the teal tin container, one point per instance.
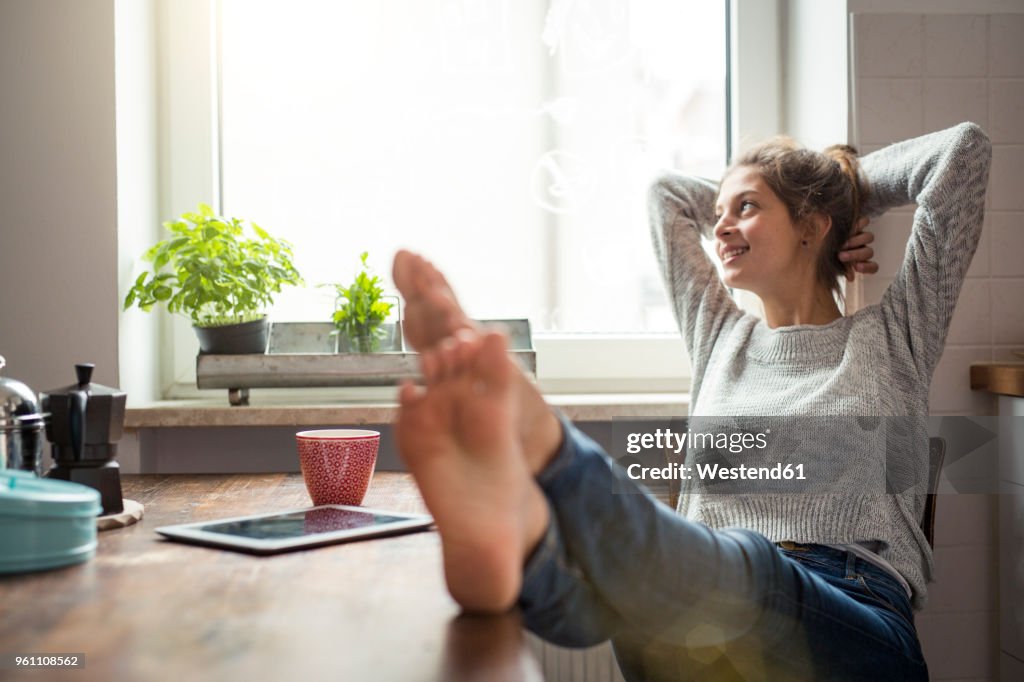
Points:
(45, 523)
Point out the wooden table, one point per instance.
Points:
(149, 609)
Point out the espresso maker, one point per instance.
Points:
(85, 422)
(21, 426)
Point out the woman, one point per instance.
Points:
(779, 586)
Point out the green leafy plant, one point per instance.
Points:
(213, 272)
(359, 311)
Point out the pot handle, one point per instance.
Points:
(77, 423)
(77, 405)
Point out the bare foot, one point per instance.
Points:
(458, 439)
(433, 314)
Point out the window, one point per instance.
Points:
(511, 141)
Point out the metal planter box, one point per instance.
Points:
(304, 354)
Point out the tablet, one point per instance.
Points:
(296, 529)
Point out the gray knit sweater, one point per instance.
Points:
(876, 362)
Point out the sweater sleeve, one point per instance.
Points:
(681, 210)
(946, 174)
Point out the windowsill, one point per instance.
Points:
(203, 412)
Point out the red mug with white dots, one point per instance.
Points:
(337, 464)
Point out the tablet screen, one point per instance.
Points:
(301, 523)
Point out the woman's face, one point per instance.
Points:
(755, 239)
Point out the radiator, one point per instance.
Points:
(596, 664)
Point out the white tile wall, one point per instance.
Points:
(889, 45)
(950, 392)
(937, 70)
(1005, 186)
(927, 72)
(955, 45)
(1002, 354)
(874, 287)
(1008, 311)
(959, 645)
(1007, 237)
(965, 521)
(889, 109)
(948, 101)
(892, 231)
(965, 576)
(1007, 110)
(1005, 48)
(1011, 585)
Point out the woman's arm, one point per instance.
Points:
(946, 174)
(681, 210)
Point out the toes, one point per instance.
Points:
(408, 395)
(420, 278)
(432, 274)
(454, 355)
(430, 366)
(491, 362)
(412, 419)
(467, 345)
(411, 274)
(401, 270)
(440, 363)
(480, 359)
(447, 357)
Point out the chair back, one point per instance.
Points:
(936, 454)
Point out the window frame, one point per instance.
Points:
(189, 122)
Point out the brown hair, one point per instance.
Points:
(809, 183)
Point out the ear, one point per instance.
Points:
(816, 227)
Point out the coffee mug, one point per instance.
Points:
(337, 464)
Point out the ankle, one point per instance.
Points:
(542, 438)
(536, 519)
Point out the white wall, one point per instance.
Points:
(58, 203)
(756, 52)
(138, 205)
(815, 80)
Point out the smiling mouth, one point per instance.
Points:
(733, 253)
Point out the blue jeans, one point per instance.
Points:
(681, 601)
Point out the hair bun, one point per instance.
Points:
(847, 158)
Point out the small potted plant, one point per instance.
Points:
(359, 311)
(219, 276)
